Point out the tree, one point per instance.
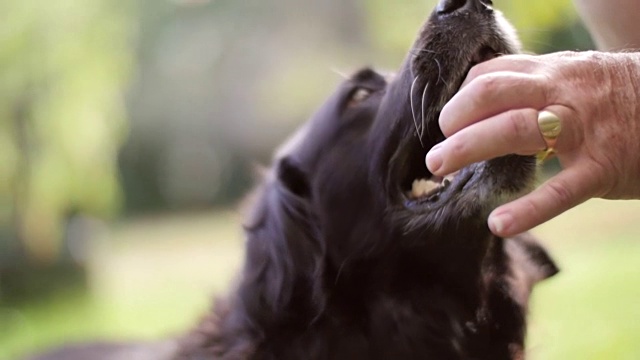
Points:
(63, 69)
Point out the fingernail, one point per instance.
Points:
(434, 159)
(500, 224)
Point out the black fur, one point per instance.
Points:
(341, 263)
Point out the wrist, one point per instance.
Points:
(624, 69)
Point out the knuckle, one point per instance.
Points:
(532, 209)
(458, 148)
(597, 171)
(546, 92)
(518, 127)
(485, 88)
(560, 191)
(488, 83)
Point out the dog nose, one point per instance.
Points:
(452, 6)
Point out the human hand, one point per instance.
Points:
(597, 97)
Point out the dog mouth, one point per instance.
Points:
(433, 73)
(417, 185)
(424, 191)
(485, 53)
(436, 190)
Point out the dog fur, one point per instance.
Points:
(343, 263)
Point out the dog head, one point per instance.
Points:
(458, 35)
(359, 162)
(345, 235)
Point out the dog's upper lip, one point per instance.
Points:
(438, 192)
(483, 54)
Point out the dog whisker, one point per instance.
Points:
(413, 112)
(418, 51)
(440, 78)
(424, 95)
(340, 270)
(340, 73)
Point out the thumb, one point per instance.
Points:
(565, 190)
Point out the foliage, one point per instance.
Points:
(63, 67)
(235, 76)
(393, 25)
(152, 289)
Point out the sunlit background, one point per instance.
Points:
(129, 131)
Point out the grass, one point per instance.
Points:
(591, 309)
(162, 271)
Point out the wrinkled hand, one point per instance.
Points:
(597, 97)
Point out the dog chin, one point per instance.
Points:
(471, 193)
(475, 190)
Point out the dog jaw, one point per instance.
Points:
(435, 69)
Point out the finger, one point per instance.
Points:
(520, 63)
(511, 132)
(491, 94)
(569, 188)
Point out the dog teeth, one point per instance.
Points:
(422, 187)
(451, 176)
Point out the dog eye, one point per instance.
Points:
(359, 96)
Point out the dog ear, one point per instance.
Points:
(529, 263)
(284, 249)
(293, 178)
(531, 257)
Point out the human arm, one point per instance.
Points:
(613, 24)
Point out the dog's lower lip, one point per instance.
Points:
(461, 180)
(450, 189)
(466, 177)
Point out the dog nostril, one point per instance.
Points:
(451, 6)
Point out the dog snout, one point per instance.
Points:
(447, 7)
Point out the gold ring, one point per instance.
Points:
(550, 128)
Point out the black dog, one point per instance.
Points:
(355, 251)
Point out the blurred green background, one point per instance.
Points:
(129, 131)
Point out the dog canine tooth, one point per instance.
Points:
(422, 187)
(451, 176)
